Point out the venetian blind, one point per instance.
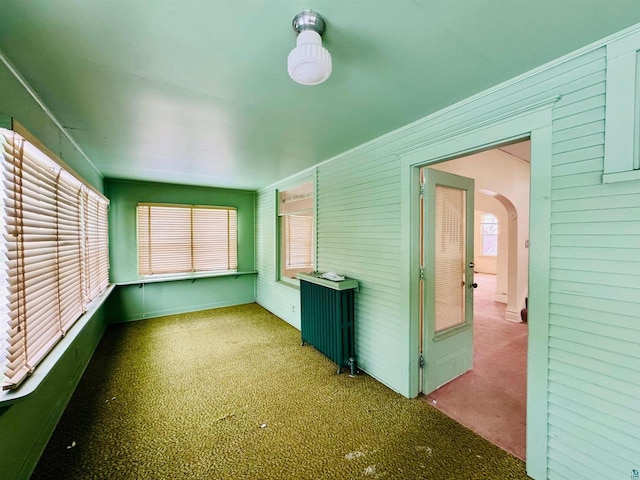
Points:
(46, 237)
(185, 238)
(96, 248)
(450, 242)
(296, 230)
(298, 240)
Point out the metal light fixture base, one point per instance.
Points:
(308, 20)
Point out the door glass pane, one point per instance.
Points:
(450, 239)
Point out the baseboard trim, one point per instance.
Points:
(513, 315)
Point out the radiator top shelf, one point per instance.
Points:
(346, 284)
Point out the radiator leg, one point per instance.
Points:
(352, 366)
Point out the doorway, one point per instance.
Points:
(490, 398)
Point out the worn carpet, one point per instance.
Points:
(230, 393)
(491, 399)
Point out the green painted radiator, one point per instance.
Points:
(327, 318)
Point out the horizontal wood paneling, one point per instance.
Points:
(281, 299)
(596, 433)
(626, 309)
(359, 231)
(603, 241)
(586, 117)
(595, 203)
(600, 279)
(610, 423)
(594, 299)
(614, 390)
(579, 141)
(580, 457)
(594, 336)
(601, 266)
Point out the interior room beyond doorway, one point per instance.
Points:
(491, 398)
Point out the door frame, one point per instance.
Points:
(533, 122)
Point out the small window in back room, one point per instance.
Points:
(296, 230)
(489, 233)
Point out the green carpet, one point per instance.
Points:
(230, 393)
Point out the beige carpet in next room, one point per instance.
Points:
(491, 399)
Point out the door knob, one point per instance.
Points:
(474, 285)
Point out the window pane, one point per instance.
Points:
(489, 229)
(170, 240)
(298, 199)
(450, 240)
(52, 224)
(184, 239)
(489, 232)
(490, 245)
(297, 239)
(214, 239)
(297, 251)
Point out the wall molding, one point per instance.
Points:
(34, 95)
(485, 121)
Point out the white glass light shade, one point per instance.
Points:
(309, 63)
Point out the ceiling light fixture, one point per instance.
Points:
(309, 63)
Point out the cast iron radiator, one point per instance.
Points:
(327, 318)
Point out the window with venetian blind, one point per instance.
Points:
(185, 239)
(296, 227)
(55, 242)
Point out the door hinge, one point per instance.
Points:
(422, 273)
(422, 190)
(421, 361)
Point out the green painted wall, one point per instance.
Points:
(26, 426)
(584, 374)
(17, 103)
(133, 302)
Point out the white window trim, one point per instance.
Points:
(85, 238)
(294, 282)
(40, 374)
(622, 114)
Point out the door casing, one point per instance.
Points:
(492, 128)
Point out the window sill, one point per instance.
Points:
(621, 176)
(184, 276)
(290, 282)
(31, 384)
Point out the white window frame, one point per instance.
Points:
(55, 242)
(622, 113)
(297, 200)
